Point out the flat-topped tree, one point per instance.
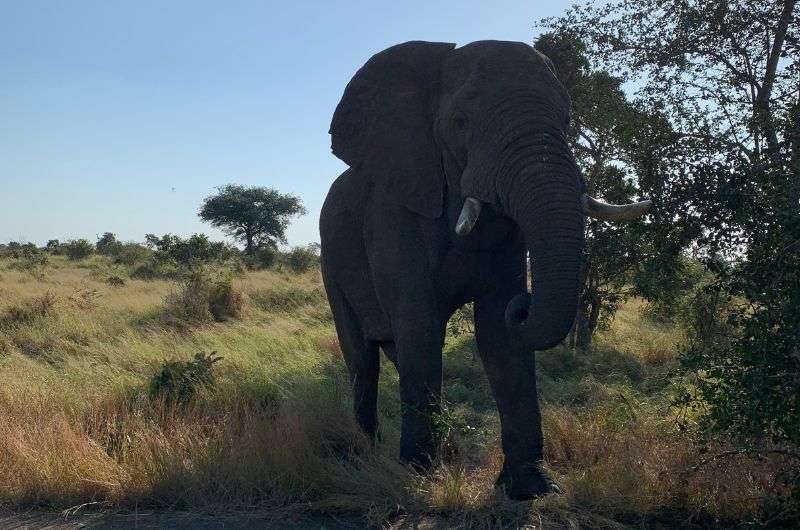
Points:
(255, 215)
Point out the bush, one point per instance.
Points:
(191, 252)
(108, 245)
(202, 299)
(157, 267)
(301, 259)
(132, 254)
(78, 249)
(178, 381)
(115, 281)
(265, 257)
(54, 247)
(30, 259)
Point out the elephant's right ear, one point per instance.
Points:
(383, 126)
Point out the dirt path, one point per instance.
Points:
(173, 520)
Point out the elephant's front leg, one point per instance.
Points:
(419, 338)
(406, 291)
(512, 376)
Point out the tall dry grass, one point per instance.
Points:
(275, 435)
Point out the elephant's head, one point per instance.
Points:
(487, 120)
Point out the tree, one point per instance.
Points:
(724, 73)
(255, 215)
(108, 245)
(78, 249)
(53, 246)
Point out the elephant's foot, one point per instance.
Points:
(526, 482)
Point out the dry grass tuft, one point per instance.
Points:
(28, 311)
(202, 299)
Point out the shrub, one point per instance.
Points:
(115, 281)
(53, 246)
(157, 267)
(131, 254)
(301, 259)
(30, 259)
(107, 245)
(190, 252)
(178, 381)
(462, 322)
(265, 257)
(225, 301)
(202, 299)
(78, 249)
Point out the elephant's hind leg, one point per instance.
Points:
(362, 359)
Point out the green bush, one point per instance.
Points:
(132, 254)
(29, 259)
(54, 247)
(301, 259)
(78, 249)
(107, 245)
(177, 382)
(191, 252)
(265, 257)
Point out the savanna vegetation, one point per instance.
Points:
(182, 373)
(220, 389)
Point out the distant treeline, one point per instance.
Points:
(166, 256)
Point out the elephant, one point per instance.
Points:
(459, 166)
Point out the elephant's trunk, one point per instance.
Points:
(544, 198)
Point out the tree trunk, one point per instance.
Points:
(794, 145)
(581, 337)
(761, 107)
(249, 242)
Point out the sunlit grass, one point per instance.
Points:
(276, 434)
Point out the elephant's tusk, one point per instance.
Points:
(614, 212)
(469, 216)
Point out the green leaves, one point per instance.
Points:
(255, 215)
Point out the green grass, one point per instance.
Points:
(275, 434)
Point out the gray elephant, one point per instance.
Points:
(459, 164)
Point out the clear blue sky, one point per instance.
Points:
(121, 116)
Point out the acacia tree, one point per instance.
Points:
(255, 215)
(724, 73)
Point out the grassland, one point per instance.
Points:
(274, 437)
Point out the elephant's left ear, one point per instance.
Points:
(383, 126)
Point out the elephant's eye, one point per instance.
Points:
(460, 122)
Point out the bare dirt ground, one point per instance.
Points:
(154, 519)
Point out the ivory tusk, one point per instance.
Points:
(469, 216)
(614, 212)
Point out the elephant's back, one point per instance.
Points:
(349, 193)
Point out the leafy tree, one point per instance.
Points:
(108, 245)
(53, 246)
(78, 249)
(255, 215)
(724, 73)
